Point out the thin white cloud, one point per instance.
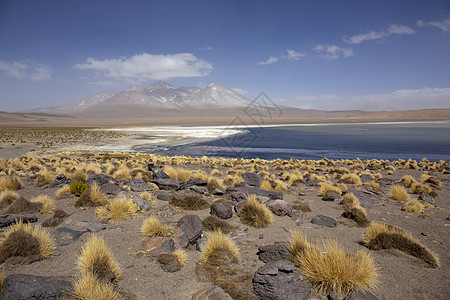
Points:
(293, 55)
(331, 52)
(426, 98)
(269, 61)
(376, 35)
(144, 67)
(206, 48)
(26, 69)
(240, 91)
(442, 25)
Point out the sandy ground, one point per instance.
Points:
(402, 276)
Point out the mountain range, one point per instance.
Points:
(158, 95)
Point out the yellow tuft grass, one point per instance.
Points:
(97, 196)
(122, 172)
(147, 196)
(95, 258)
(181, 256)
(328, 189)
(8, 183)
(117, 210)
(7, 197)
(218, 247)
(280, 185)
(89, 287)
(331, 269)
(408, 180)
(426, 178)
(265, 185)
(48, 175)
(351, 179)
(48, 205)
(153, 227)
(63, 191)
(255, 214)
(417, 188)
(413, 206)
(45, 240)
(399, 193)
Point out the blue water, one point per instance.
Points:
(364, 141)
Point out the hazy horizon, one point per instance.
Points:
(330, 56)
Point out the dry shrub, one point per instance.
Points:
(63, 191)
(48, 205)
(301, 205)
(47, 175)
(97, 196)
(265, 185)
(147, 196)
(280, 185)
(8, 183)
(117, 210)
(413, 206)
(331, 269)
(26, 240)
(199, 174)
(89, 287)
(213, 223)
(7, 197)
(408, 180)
(219, 248)
(213, 184)
(255, 214)
(351, 179)
(426, 178)
(153, 227)
(328, 189)
(418, 188)
(122, 172)
(385, 236)
(21, 205)
(181, 256)
(399, 193)
(189, 201)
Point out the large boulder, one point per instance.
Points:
(191, 230)
(280, 207)
(252, 179)
(138, 185)
(7, 220)
(270, 253)
(280, 279)
(221, 210)
(324, 221)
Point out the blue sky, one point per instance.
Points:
(371, 55)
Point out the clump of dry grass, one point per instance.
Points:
(48, 205)
(147, 196)
(385, 236)
(413, 206)
(26, 240)
(7, 197)
(328, 189)
(219, 248)
(63, 191)
(280, 185)
(117, 210)
(181, 256)
(8, 183)
(88, 287)
(354, 210)
(153, 227)
(426, 178)
(417, 188)
(255, 214)
(122, 172)
(189, 201)
(47, 175)
(351, 179)
(96, 195)
(399, 193)
(213, 223)
(408, 180)
(213, 184)
(265, 185)
(331, 269)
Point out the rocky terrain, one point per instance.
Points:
(182, 201)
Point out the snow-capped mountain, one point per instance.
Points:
(159, 94)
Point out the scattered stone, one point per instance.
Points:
(280, 207)
(329, 198)
(280, 279)
(191, 227)
(158, 174)
(65, 236)
(367, 195)
(366, 177)
(263, 199)
(155, 246)
(198, 189)
(221, 210)
(252, 179)
(301, 194)
(212, 293)
(112, 189)
(162, 195)
(7, 220)
(138, 185)
(100, 179)
(426, 198)
(168, 262)
(238, 206)
(83, 223)
(58, 217)
(270, 253)
(254, 190)
(176, 185)
(60, 180)
(218, 192)
(141, 203)
(236, 197)
(21, 286)
(298, 217)
(324, 221)
(310, 182)
(200, 242)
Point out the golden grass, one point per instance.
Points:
(181, 256)
(426, 178)
(97, 196)
(413, 206)
(265, 185)
(78, 175)
(7, 197)
(351, 179)
(8, 183)
(217, 245)
(417, 188)
(147, 196)
(199, 174)
(280, 185)
(122, 172)
(95, 258)
(385, 236)
(169, 170)
(63, 191)
(328, 189)
(153, 227)
(45, 240)
(408, 180)
(48, 205)
(331, 269)
(48, 176)
(89, 287)
(399, 193)
(117, 210)
(255, 214)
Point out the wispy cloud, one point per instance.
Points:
(293, 55)
(425, 98)
(240, 91)
(442, 25)
(143, 67)
(269, 61)
(206, 48)
(331, 52)
(26, 69)
(376, 35)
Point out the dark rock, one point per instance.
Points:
(218, 192)
(385, 181)
(111, 189)
(100, 179)
(367, 195)
(163, 196)
(65, 236)
(280, 208)
(200, 242)
(168, 262)
(157, 245)
(312, 182)
(24, 287)
(58, 218)
(83, 223)
(7, 220)
(280, 279)
(221, 210)
(272, 252)
(60, 180)
(254, 190)
(198, 189)
(158, 174)
(236, 197)
(426, 198)
(238, 206)
(328, 198)
(176, 185)
(366, 177)
(141, 203)
(252, 179)
(138, 185)
(212, 293)
(191, 227)
(324, 221)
